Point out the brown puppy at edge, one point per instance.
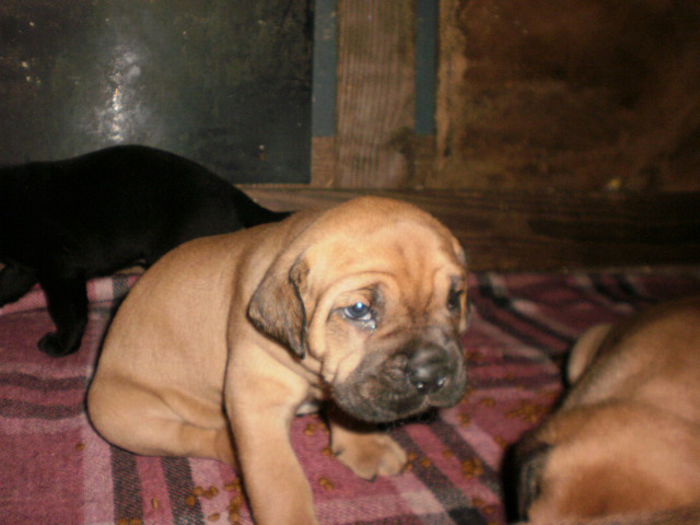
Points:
(226, 338)
(624, 447)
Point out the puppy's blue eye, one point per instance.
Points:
(358, 311)
(454, 300)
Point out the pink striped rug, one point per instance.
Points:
(54, 469)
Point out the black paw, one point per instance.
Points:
(51, 345)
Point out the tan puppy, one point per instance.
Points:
(229, 336)
(626, 440)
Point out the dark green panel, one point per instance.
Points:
(325, 59)
(226, 83)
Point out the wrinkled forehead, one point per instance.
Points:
(415, 247)
(410, 251)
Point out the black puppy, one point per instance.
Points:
(64, 222)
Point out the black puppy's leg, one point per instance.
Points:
(15, 282)
(67, 301)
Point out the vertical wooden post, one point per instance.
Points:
(324, 97)
(376, 94)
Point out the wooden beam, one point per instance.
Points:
(376, 93)
(519, 231)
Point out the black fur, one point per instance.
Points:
(521, 471)
(64, 222)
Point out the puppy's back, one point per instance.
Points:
(626, 439)
(653, 357)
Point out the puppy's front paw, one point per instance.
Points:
(369, 455)
(51, 344)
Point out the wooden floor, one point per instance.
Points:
(541, 231)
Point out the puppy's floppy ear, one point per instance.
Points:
(530, 480)
(467, 306)
(459, 252)
(277, 306)
(522, 471)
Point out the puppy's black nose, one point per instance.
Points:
(428, 369)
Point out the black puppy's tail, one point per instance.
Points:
(251, 213)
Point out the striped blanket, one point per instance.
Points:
(54, 469)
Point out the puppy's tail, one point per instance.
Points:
(251, 213)
(689, 515)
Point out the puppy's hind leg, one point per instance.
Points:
(68, 308)
(142, 422)
(15, 281)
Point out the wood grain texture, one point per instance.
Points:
(520, 231)
(577, 95)
(323, 161)
(376, 95)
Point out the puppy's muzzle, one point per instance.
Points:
(428, 369)
(392, 384)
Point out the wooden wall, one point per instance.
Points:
(574, 95)
(566, 135)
